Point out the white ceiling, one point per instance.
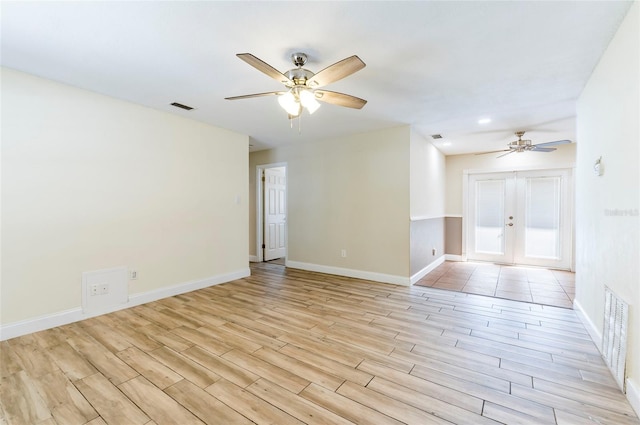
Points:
(438, 66)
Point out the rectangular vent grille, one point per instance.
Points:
(180, 105)
(614, 335)
(436, 136)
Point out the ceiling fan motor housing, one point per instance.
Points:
(299, 76)
(520, 145)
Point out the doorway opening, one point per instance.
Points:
(271, 213)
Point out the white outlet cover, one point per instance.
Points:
(113, 289)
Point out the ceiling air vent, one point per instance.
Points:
(180, 105)
(436, 136)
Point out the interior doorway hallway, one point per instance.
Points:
(530, 284)
(278, 261)
(271, 212)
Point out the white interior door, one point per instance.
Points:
(275, 205)
(520, 217)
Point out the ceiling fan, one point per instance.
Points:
(303, 85)
(526, 145)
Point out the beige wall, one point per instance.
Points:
(90, 182)
(348, 193)
(608, 248)
(453, 235)
(427, 201)
(563, 157)
(427, 173)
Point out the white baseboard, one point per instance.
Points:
(40, 323)
(633, 395)
(170, 291)
(422, 273)
(452, 257)
(594, 332)
(359, 274)
(253, 259)
(36, 324)
(632, 388)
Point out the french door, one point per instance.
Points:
(520, 217)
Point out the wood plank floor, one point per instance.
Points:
(290, 347)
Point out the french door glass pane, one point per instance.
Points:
(489, 226)
(542, 217)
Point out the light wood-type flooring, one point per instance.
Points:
(291, 347)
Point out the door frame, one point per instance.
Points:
(571, 201)
(260, 209)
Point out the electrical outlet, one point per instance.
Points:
(104, 289)
(98, 289)
(343, 253)
(133, 274)
(433, 251)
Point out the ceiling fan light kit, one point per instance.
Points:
(298, 98)
(303, 84)
(308, 100)
(290, 104)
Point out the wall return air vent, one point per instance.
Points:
(614, 335)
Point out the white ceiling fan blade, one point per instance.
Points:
(537, 149)
(508, 153)
(557, 142)
(501, 150)
(248, 96)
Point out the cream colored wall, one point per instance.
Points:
(427, 197)
(563, 157)
(427, 173)
(90, 182)
(608, 245)
(348, 193)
